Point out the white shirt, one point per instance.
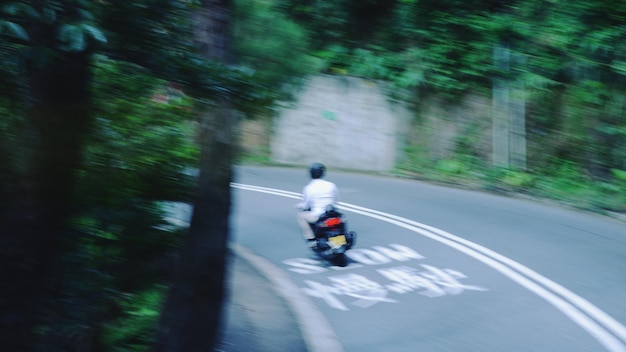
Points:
(317, 194)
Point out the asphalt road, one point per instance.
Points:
(443, 269)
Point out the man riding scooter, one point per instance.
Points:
(316, 196)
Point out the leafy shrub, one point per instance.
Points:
(137, 322)
(139, 151)
(518, 180)
(448, 166)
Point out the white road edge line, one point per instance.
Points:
(611, 333)
(316, 330)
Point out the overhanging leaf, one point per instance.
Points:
(13, 29)
(619, 67)
(15, 9)
(94, 33)
(72, 38)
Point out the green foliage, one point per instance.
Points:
(425, 45)
(449, 166)
(137, 323)
(326, 21)
(565, 184)
(70, 24)
(153, 137)
(13, 29)
(12, 67)
(273, 47)
(73, 37)
(564, 54)
(140, 146)
(518, 180)
(155, 34)
(113, 261)
(619, 174)
(366, 63)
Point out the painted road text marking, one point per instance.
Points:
(428, 281)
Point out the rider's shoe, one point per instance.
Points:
(311, 243)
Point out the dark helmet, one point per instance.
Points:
(317, 170)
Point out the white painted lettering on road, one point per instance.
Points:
(305, 265)
(361, 256)
(433, 282)
(366, 291)
(428, 281)
(382, 255)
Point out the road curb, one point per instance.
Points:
(315, 328)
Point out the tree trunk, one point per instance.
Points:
(192, 313)
(37, 208)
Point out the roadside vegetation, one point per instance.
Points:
(564, 187)
(562, 64)
(104, 110)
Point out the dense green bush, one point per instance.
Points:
(117, 257)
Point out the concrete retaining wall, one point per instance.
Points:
(343, 122)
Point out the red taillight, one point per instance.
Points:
(332, 222)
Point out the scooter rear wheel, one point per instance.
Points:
(341, 260)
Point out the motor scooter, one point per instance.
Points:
(332, 236)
